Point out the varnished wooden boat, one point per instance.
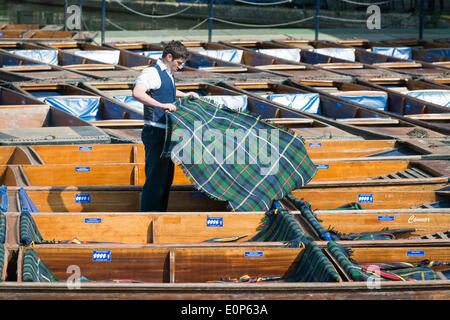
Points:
(369, 172)
(258, 61)
(333, 109)
(134, 153)
(69, 56)
(418, 112)
(375, 197)
(112, 116)
(219, 227)
(25, 120)
(410, 224)
(379, 194)
(307, 55)
(139, 55)
(370, 60)
(43, 34)
(18, 68)
(416, 50)
(300, 122)
(184, 272)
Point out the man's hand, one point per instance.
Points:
(169, 106)
(193, 94)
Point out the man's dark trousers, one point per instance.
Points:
(158, 170)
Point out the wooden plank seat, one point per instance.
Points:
(133, 174)
(212, 227)
(352, 222)
(178, 265)
(134, 153)
(393, 264)
(371, 197)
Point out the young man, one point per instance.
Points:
(155, 88)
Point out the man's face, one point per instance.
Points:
(174, 64)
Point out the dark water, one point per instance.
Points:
(25, 13)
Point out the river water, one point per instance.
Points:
(26, 13)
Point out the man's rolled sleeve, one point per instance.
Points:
(149, 78)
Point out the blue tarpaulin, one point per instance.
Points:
(131, 102)
(238, 102)
(341, 53)
(288, 54)
(373, 99)
(442, 52)
(229, 55)
(440, 97)
(103, 56)
(398, 52)
(84, 107)
(308, 102)
(43, 56)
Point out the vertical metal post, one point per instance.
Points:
(80, 4)
(317, 19)
(210, 20)
(65, 15)
(103, 20)
(421, 20)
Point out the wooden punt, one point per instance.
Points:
(70, 60)
(134, 152)
(219, 227)
(417, 112)
(43, 34)
(18, 68)
(193, 265)
(119, 120)
(375, 197)
(421, 50)
(260, 62)
(370, 172)
(183, 273)
(370, 60)
(307, 56)
(428, 111)
(370, 194)
(23, 26)
(413, 225)
(335, 110)
(300, 122)
(134, 58)
(25, 120)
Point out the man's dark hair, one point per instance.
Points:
(176, 48)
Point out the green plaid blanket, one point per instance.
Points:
(313, 266)
(234, 156)
(34, 270)
(2, 227)
(2, 260)
(279, 225)
(395, 271)
(29, 232)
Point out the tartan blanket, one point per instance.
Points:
(305, 208)
(279, 225)
(28, 231)
(35, 270)
(235, 156)
(313, 266)
(2, 259)
(396, 271)
(2, 227)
